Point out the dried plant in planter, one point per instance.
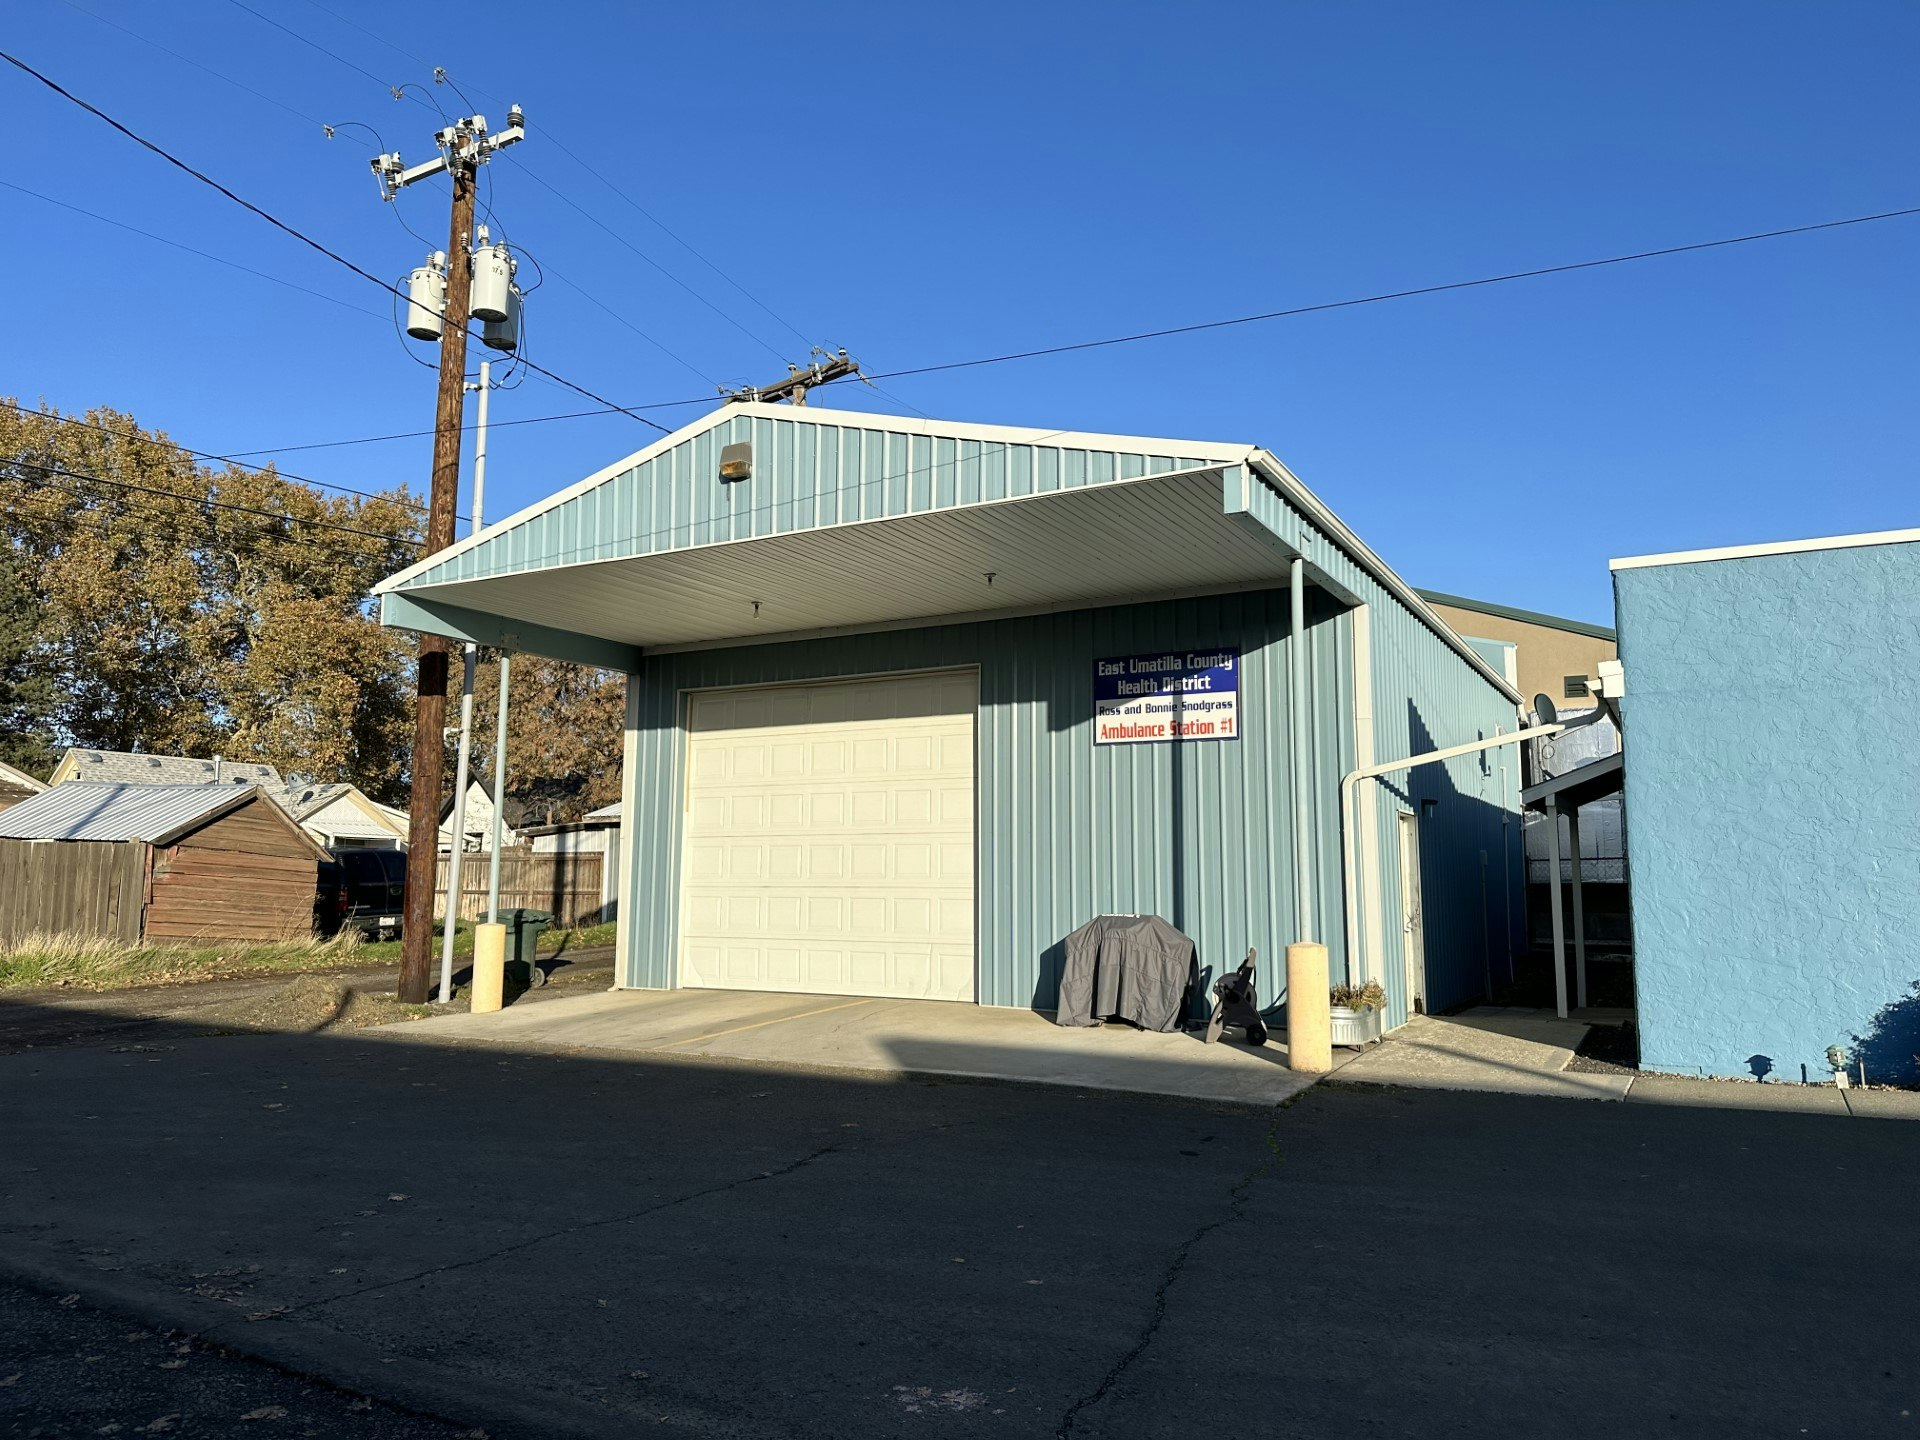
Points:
(1370, 996)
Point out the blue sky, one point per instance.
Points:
(923, 185)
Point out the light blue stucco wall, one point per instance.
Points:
(1773, 810)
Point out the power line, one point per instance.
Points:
(441, 74)
(568, 200)
(189, 60)
(203, 254)
(280, 224)
(492, 425)
(590, 297)
(201, 503)
(316, 45)
(567, 150)
(1400, 294)
(1211, 324)
(75, 420)
(93, 503)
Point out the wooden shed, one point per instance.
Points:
(155, 864)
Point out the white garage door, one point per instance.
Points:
(829, 838)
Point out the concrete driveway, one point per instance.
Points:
(887, 1037)
(611, 1244)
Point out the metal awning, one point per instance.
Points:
(1561, 796)
(1155, 536)
(1579, 786)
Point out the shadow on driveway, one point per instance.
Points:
(591, 1244)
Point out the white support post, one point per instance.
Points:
(1559, 922)
(499, 788)
(1579, 914)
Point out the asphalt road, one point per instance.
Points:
(583, 1244)
(69, 1368)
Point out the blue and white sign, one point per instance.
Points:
(1174, 695)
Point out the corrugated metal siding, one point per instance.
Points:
(1076, 831)
(1426, 697)
(807, 474)
(1200, 833)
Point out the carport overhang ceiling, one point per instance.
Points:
(1186, 533)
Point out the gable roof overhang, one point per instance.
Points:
(1199, 519)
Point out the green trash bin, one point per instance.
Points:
(523, 939)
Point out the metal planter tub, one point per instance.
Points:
(1355, 1028)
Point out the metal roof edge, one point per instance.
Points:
(1526, 617)
(558, 498)
(1270, 468)
(1211, 451)
(1777, 547)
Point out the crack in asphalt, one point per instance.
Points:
(562, 1232)
(837, 1148)
(1236, 1211)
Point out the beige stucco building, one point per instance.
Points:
(1558, 658)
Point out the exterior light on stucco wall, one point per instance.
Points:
(736, 462)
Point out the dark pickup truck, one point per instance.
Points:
(361, 889)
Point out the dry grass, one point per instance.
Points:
(92, 963)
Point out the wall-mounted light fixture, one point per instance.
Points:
(736, 462)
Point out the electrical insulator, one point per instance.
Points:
(427, 299)
(492, 283)
(504, 334)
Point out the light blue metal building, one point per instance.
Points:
(1773, 814)
(900, 700)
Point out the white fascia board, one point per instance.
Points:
(1779, 547)
(1337, 530)
(1212, 451)
(1010, 435)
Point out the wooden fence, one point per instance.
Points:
(72, 887)
(567, 886)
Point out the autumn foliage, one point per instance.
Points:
(151, 602)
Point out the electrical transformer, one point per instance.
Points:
(504, 334)
(492, 283)
(427, 299)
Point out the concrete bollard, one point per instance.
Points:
(1309, 1010)
(490, 969)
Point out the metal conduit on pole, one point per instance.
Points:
(470, 659)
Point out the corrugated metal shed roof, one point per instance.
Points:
(137, 769)
(86, 810)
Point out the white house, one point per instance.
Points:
(477, 822)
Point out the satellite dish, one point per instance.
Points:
(1544, 711)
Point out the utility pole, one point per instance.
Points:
(824, 368)
(464, 147)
